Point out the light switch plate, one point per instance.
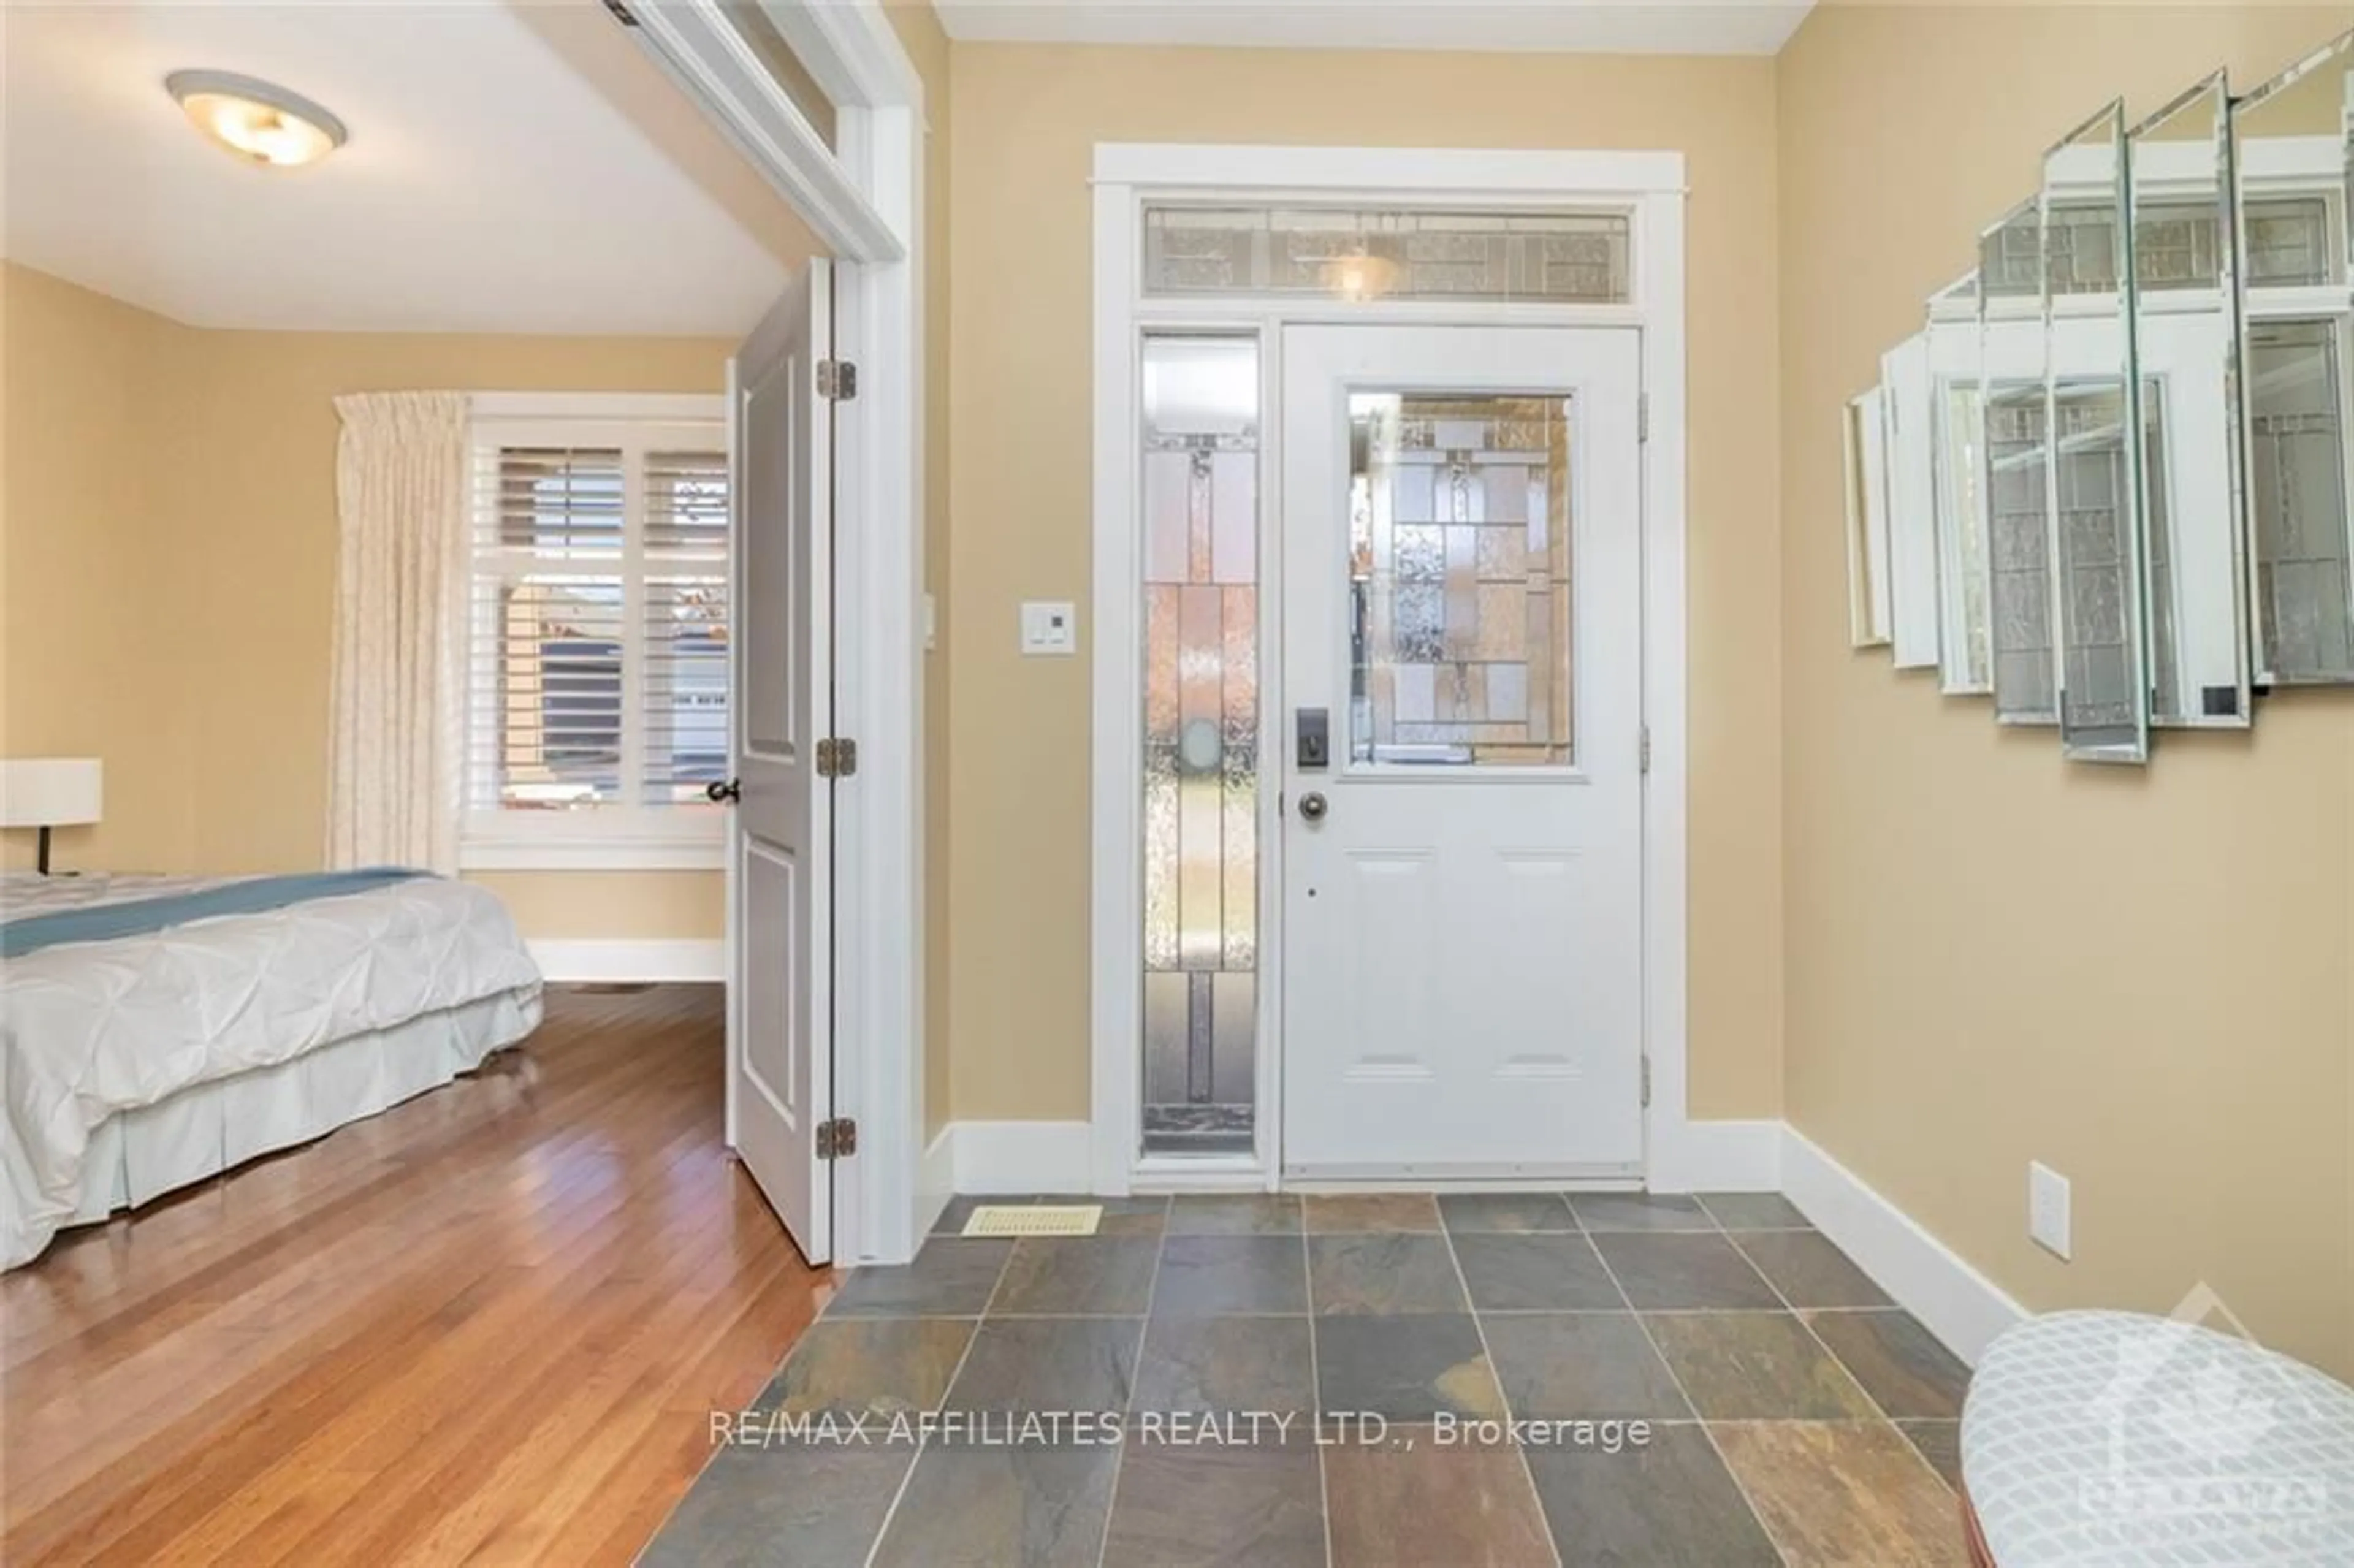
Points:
(2047, 1208)
(1049, 626)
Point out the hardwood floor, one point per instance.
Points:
(487, 1325)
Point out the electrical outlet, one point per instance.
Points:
(2047, 1208)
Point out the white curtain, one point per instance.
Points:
(393, 773)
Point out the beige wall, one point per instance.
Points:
(2145, 978)
(614, 906)
(1025, 122)
(83, 666)
(174, 488)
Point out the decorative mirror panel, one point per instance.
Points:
(2095, 452)
(2293, 153)
(2297, 373)
(1867, 521)
(1957, 473)
(2111, 483)
(2012, 371)
(1909, 413)
(2186, 344)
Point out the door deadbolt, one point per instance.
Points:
(1312, 807)
(1311, 732)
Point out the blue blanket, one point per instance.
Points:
(144, 917)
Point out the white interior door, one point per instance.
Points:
(1462, 901)
(780, 1080)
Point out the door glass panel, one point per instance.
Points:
(1201, 743)
(1458, 579)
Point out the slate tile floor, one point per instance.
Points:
(1793, 1415)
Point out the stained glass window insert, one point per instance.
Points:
(1359, 254)
(1459, 573)
(1200, 445)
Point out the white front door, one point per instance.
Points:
(780, 1080)
(1462, 898)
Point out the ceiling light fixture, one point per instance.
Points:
(257, 120)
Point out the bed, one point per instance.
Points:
(156, 1030)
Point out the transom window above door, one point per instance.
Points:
(1360, 253)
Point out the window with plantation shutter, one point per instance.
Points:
(685, 625)
(597, 626)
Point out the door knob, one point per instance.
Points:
(724, 792)
(1312, 806)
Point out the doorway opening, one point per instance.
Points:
(824, 957)
(1389, 663)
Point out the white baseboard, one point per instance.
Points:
(995, 1157)
(1008, 1157)
(565, 959)
(1004, 1157)
(935, 1182)
(1954, 1301)
(1718, 1156)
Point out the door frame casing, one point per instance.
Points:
(863, 199)
(1648, 186)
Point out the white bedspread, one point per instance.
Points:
(90, 1029)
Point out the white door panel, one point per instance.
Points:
(780, 1079)
(1462, 593)
(773, 1064)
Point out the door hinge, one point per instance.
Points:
(620, 13)
(1646, 1085)
(1644, 749)
(837, 758)
(1642, 416)
(837, 1139)
(837, 380)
